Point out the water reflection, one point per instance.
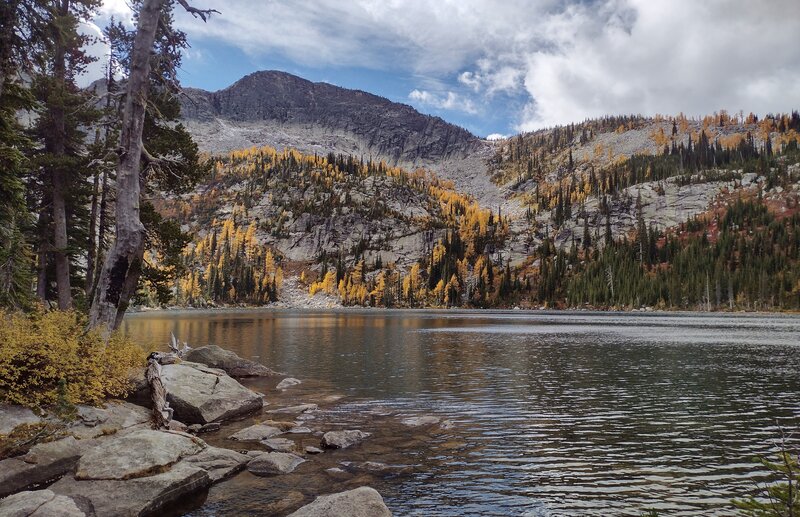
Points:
(563, 413)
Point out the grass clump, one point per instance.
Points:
(50, 359)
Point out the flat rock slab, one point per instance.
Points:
(93, 422)
(199, 394)
(343, 439)
(418, 421)
(12, 416)
(361, 502)
(287, 383)
(219, 463)
(135, 497)
(41, 503)
(300, 408)
(225, 360)
(272, 463)
(140, 453)
(255, 433)
(279, 444)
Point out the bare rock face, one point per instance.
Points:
(235, 366)
(361, 502)
(200, 395)
(343, 439)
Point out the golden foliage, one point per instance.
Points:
(49, 357)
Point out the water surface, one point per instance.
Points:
(562, 413)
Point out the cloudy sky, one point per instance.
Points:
(499, 67)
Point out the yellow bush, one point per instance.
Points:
(49, 358)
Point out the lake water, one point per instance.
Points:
(560, 413)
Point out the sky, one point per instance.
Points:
(499, 67)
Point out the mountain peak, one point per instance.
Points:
(290, 111)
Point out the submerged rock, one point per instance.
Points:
(361, 502)
(343, 439)
(418, 421)
(300, 408)
(287, 383)
(279, 444)
(232, 364)
(271, 463)
(255, 433)
(199, 395)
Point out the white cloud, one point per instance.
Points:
(496, 136)
(573, 58)
(448, 101)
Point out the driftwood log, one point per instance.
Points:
(162, 413)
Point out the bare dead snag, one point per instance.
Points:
(123, 264)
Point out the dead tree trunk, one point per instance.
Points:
(162, 413)
(123, 264)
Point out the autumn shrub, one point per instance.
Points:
(50, 359)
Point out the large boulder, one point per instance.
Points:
(343, 439)
(271, 463)
(361, 502)
(139, 453)
(199, 394)
(232, 364)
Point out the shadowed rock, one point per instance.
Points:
(232, 364)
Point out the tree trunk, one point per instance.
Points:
(57, 146)
(122, 267)
(92, 245)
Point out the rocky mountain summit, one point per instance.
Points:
(356, 121)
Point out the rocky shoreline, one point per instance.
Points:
(110, 461)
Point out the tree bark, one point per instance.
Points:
(123, 264)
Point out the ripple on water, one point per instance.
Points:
(557, 414)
